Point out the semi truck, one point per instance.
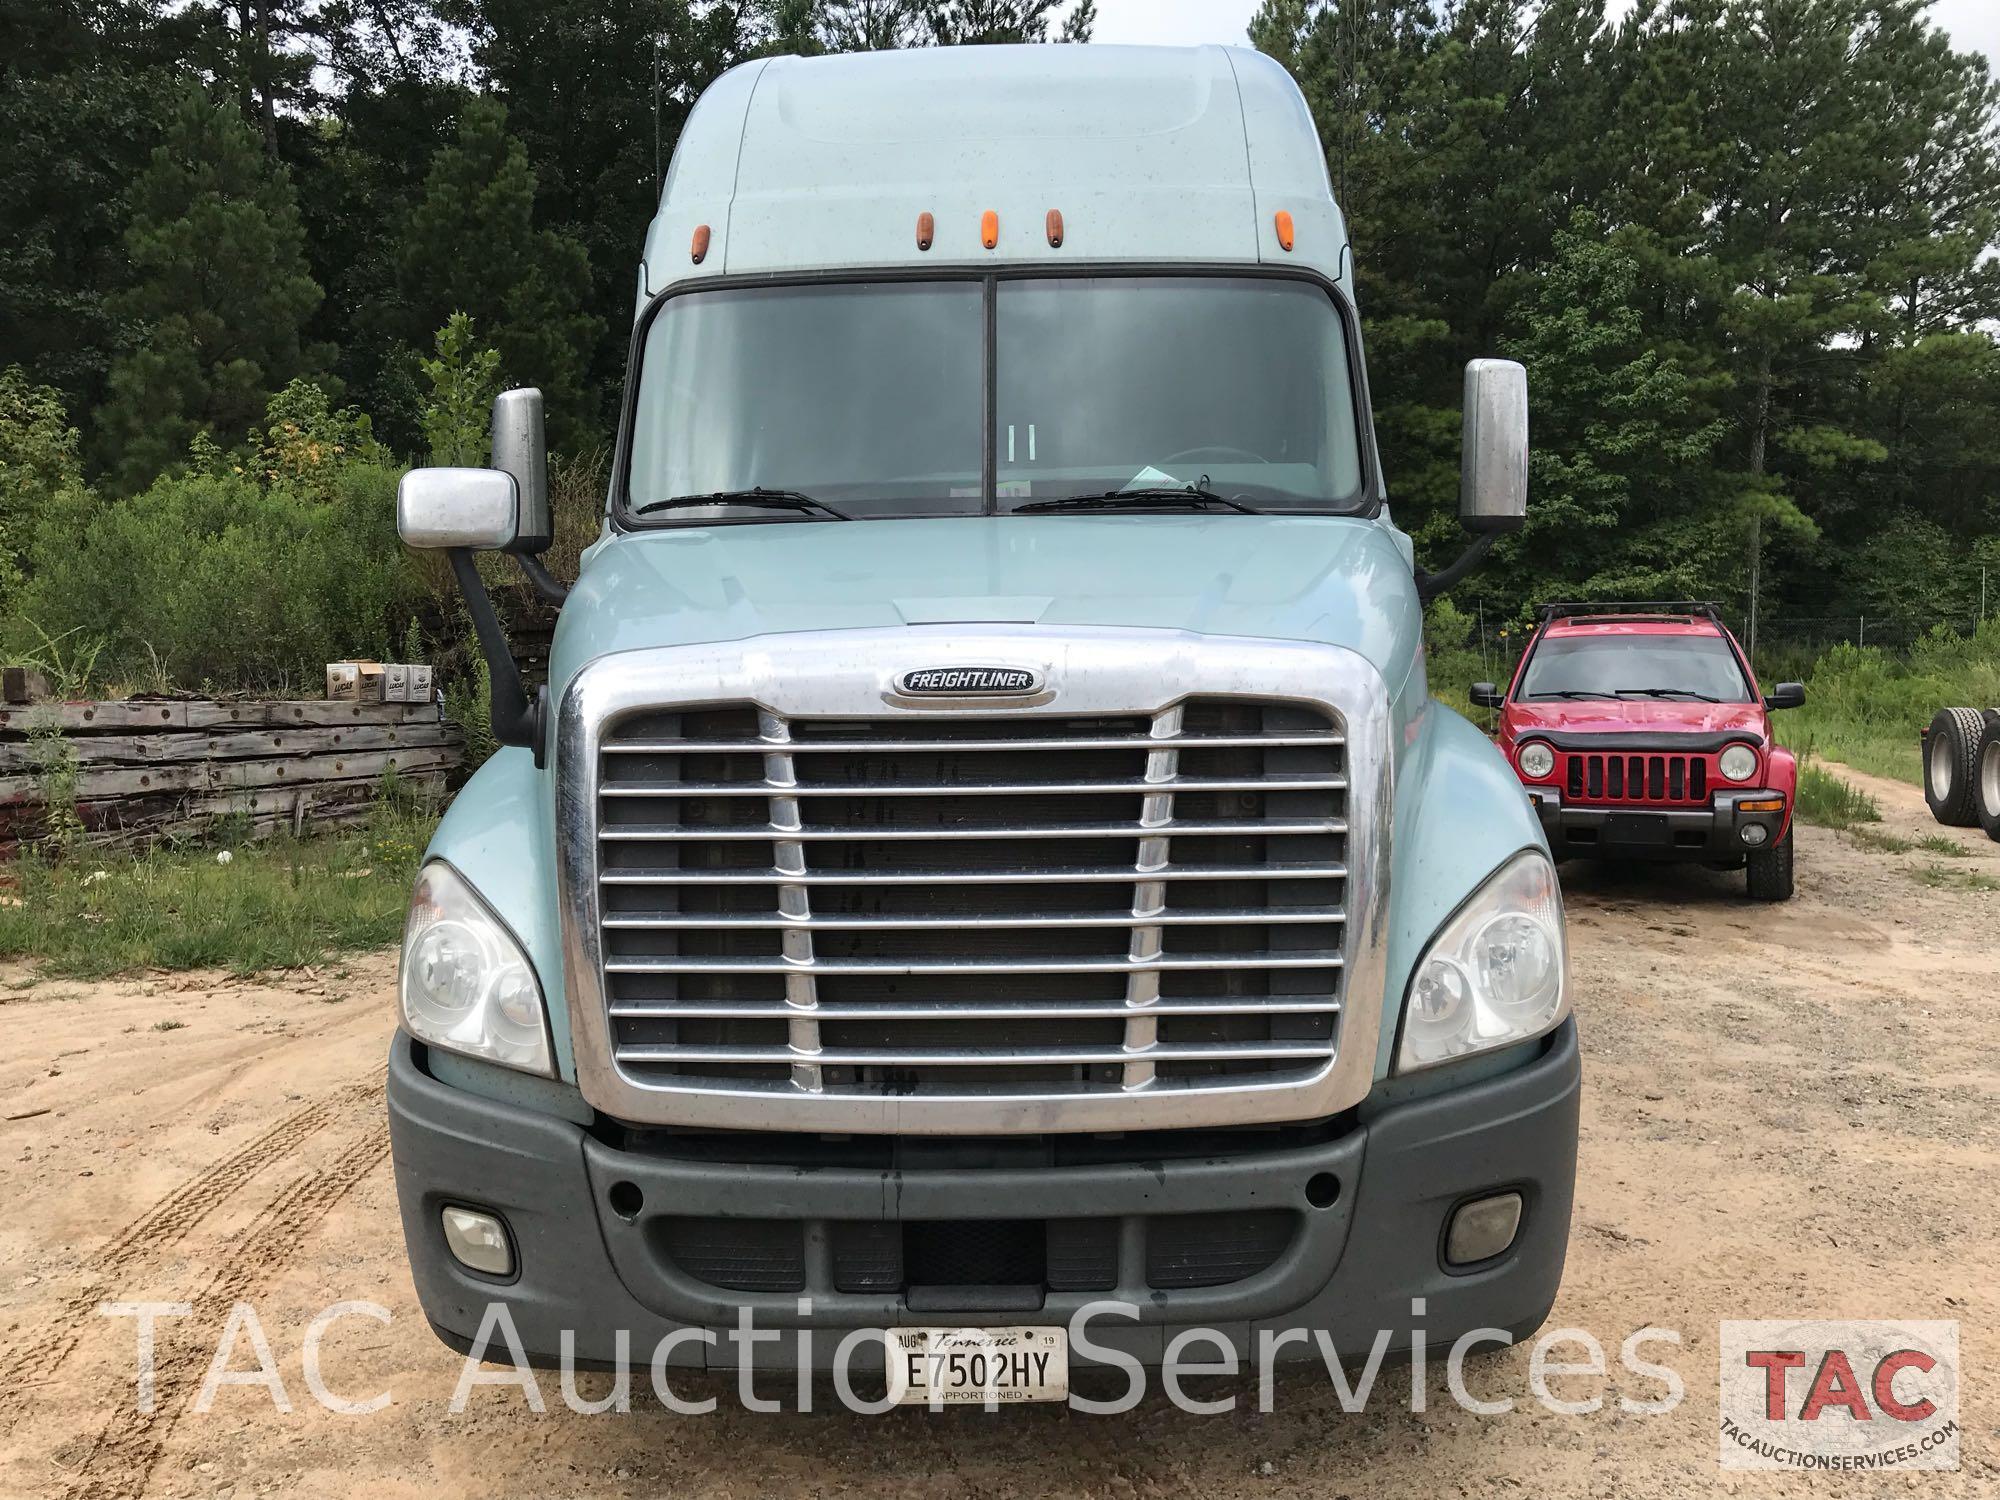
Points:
(986, 852)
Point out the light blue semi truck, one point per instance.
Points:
(986, 847)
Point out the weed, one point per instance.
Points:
(1938, 877)
(56, 775)
(1878, 841)
(276, 905)
(1825, 799)
(1939, 843)
(169, 1025)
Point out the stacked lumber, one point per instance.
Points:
(150, 768)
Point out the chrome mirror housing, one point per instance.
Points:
(1493, 467)
(521, 448)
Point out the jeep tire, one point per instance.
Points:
(1768, 871)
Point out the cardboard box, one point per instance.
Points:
(422, 686)
(354, 681)
(395, 682)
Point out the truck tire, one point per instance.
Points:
(1949, 754)
(1768, 871)
(1986, 780)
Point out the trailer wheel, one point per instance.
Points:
(1986, 780)
(1768, 871)
(1950, 751)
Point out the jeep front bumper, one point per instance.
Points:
(1636, 831)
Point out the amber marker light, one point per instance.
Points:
(1287, 233)
(700, 246)
(926, 231)
(989, 229)
(1055, 229)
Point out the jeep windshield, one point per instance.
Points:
(1696, 668)
(876, 398)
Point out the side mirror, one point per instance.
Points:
(1493, 466)
(471, 508)
(1486, 695)
(521, 448)
(1786, 695)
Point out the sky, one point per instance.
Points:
(1971, 23)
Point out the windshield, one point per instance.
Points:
(873, 397)
(1637, 666)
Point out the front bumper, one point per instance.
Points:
(1350, 1269)
(1709, 834)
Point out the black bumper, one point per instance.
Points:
(1711, 834)
(1350, 1267)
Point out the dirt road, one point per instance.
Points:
(1789, 1112)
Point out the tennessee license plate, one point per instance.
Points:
(974, 1366)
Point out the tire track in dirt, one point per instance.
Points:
(128, 1447)
(159, 1227)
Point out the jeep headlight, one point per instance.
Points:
(466, 985)
(1738, 763)
(1495, 974)
(1537, 760)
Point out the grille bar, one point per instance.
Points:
(758, 922)
(628, 834)
(1148, 963)
(965, 789)
(1144, 742)
(980, 1057)
(1116, 876)
(801, 979)
(1114, 1010)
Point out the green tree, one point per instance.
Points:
(472, 246)
(221, 293)
(464, 378)
(958, 23)
(86, 88)
(41, 477)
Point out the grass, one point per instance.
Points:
(1938, 877)
(277, 905)
(1825, 799)
(1878, 842)
(1864, 706)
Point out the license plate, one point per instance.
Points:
(976, 1366)
(1635, 828)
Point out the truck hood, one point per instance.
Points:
(1635, 715)
(1333, 579)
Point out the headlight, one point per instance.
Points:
(466, 985)
(1496, 973)
(1537, 760)
(1738, 763)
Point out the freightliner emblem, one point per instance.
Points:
(960, 682)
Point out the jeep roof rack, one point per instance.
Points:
(1636, 611)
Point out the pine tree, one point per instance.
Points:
(471, 246)
(220, 295)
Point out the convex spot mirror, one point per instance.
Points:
(1493, 466)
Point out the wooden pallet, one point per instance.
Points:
(151, 768)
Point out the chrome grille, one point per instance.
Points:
(891, 907)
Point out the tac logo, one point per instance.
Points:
(1839, 1395)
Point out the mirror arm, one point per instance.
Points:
(515, 720)
(1430, 585)
(545, 584)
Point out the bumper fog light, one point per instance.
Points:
(1482, 1229)
(1754, 834)
(478, 1242)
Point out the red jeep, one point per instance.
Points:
(1639, 733)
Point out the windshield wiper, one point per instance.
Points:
(1577, 693)
(1667, 693)
(1151, 497)
(756, 496)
